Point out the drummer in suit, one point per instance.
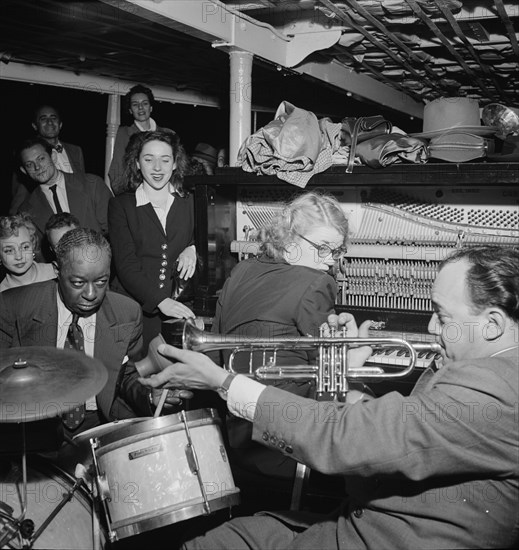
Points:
(111, 324)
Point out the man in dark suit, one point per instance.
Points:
(436, 469)
(40, 315)
(84, 195)
(69, 158)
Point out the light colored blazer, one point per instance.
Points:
(436, 469)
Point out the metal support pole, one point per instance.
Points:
(113, 117)
(240, 101)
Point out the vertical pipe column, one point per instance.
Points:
(240, 101)
(113, 117)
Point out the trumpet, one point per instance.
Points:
(331, 373)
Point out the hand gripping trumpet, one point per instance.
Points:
(331, 373)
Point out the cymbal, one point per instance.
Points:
(43, 382)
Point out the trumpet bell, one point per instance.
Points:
(184, 333)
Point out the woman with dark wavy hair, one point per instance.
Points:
(151, 226)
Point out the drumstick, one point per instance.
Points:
(162, 400)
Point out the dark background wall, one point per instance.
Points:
(83, 115)
(84, 123)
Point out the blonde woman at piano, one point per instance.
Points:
(287, 291)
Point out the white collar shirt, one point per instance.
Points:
(162, 210)
(153, 125)
(61, 191)
(62, 160)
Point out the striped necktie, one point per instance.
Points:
(75, 340)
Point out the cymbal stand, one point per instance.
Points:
(13, 526)
(25, 528)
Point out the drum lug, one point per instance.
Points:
(112, 536)
(191, 459)
(103, 487)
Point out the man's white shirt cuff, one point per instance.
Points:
(243, 396)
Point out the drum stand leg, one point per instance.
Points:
(96, 527)
(15, 526)
(300, 479)
(67, 497)
(302, 471)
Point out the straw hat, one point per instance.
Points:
(453, 114)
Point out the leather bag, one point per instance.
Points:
(357, 130)
(382, 151)
(460, 147)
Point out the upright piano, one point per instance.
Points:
(403, 221)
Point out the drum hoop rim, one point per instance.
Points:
(156, 427)
(125, 528)
(124, 423)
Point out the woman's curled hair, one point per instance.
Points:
(300, 215)
(133, 175)
(10, 225)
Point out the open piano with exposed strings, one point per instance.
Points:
(398, 236)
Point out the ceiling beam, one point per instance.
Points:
(213, 21)
(36, 74)
(470, 12)
(361, 85)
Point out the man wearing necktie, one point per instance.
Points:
(78, 311)
(84, 195)
(69, 158)
(74, 418)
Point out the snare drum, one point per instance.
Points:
(76, 524)
(80, 451)
(162, 471)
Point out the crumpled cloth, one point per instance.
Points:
(294, 146)
(387, 149)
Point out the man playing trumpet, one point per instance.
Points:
(435, 469)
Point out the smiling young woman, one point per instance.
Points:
(18, 245)
(151, 228)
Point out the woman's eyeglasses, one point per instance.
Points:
(324, 250)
